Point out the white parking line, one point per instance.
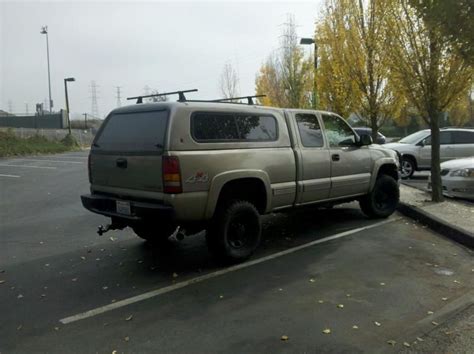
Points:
(167, 289)
(50, 160)
(28, 166)
(12, 176)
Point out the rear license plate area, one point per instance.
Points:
(123, 207)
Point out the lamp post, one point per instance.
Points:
(66, 80)
(44, 30)
(309, 41)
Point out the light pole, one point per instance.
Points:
(44, 30)
(66, 80)
(309, 41)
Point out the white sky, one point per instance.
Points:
(164, 45)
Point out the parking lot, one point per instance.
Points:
(327, 280)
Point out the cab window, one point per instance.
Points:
(338, 132)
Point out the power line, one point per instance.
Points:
(119, 97)
(94, 104)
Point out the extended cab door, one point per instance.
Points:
(314, 166)
(351, 165)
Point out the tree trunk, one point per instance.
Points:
(374, 126)
(436, 186)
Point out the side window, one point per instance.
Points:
(445, 138)
(310, 131)
(221, 127)
(337, 131)
(257, 128)
(463, 137)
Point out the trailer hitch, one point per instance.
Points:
(113, 226)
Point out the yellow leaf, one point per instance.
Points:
(341, 306)
(326, 331)
(391, 342)
(378, 324)
(284, 338)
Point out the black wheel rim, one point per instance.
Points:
(241, 232)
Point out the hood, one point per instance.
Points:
(401, 147)
(382, 151)
(467, 162)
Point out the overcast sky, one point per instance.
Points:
(163, 45)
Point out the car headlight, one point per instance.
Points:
(464, 172)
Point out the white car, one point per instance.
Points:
(457, 178)
(455, 143)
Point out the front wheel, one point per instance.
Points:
(382, 201)
(235, 232)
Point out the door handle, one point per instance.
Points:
(121, 163)
(335, 157)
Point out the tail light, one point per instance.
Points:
(171, 175)
(89, 168)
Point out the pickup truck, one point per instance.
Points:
(182, 167)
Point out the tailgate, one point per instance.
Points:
(127, 152)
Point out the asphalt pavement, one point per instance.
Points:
(324, 280)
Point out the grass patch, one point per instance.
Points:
(11, 145)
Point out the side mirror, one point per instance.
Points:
(421, 143)
(365, 140)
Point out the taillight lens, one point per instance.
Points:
(89, 168)
(171, 175)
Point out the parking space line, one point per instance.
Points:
(167, 289)
(27, 166)
(12, 176)
(79, 162)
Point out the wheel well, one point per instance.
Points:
(412, 158)
(249, 189)
(389, 170)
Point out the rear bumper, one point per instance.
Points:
(139, 211)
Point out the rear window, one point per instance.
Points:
(463, 137)
(132, 132)
(222, 127)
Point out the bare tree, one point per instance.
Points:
(229, 82)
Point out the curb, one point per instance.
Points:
(436, 224)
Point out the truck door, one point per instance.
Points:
(314, 177)
(351, 165)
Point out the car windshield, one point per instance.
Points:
(415, 137)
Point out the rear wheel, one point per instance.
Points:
(407, 167)
(235, 232)
(382, 201)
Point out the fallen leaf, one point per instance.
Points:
(20, 296)
(19, 327)
(341, 306)
(140, 261)
(378, 324)
(105, 287)
(175, 275)
(355, 327)
(383, 284)
(284, 338)
(46, 265)
(326, 331)
(97, 259)
(111, 239)
(74, 279)
(56, 328)
(406, 344)
(420, 339)
(430, 312)
(455, 254)
(280, 289)
(444, 298)
(129, 318)
(312, 280)
(391, 342)
(221, 296)
(126, 339)
(434, 323)
(114, 352)
(348, 295)
(456, 281)
(2, 281)
(83, 258)
(321, 301)
(43, 295)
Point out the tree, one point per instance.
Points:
(286, 76)
(427, 71)
(229, 82)
(353, 46)
(454, 20)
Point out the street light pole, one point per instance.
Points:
(309, 41)
(44, 30)
(69, 79)
(85, 120)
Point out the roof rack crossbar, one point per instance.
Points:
(181, 96)
(249, 99)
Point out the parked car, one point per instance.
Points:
(368, 131)
(219, 166)
(416, 148)
(457, 178)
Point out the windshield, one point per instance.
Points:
(136, 131)
(415, 137)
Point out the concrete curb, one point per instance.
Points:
(446, 229)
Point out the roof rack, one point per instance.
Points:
(181, 97)
(249, 98)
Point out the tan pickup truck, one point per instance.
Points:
(219, 166)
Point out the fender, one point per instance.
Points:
(379, 163)
(221, 179)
